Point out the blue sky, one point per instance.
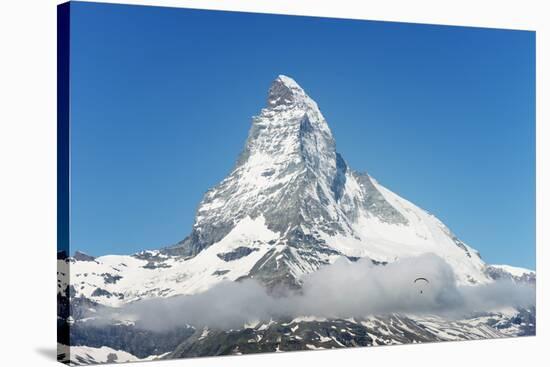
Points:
(162, 99)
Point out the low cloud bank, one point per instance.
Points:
(340, 290)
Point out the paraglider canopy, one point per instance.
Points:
(422, 281)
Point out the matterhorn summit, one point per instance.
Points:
(292, 204)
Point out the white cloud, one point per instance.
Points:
(340, 290)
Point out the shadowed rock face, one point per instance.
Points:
(80, 256)
(236, 254)
(284, 91)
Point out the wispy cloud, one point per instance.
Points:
(340, 290)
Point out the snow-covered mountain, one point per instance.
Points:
(511, 272)
(317, 333)
(82, 356)
(290, 205)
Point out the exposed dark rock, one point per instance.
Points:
(80, 256)
(111, 279)
(154, 265)
(236, 254)
(220, 272)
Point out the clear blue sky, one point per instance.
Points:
(162, 100)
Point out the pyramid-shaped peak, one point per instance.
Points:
(285, 91)
(287, 81)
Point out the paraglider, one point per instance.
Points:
(422, 281)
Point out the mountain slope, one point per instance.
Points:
(315, 334)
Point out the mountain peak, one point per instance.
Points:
(285, 91)
(286, 80)
(287, 95)
(292, 186)
(81, 256)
